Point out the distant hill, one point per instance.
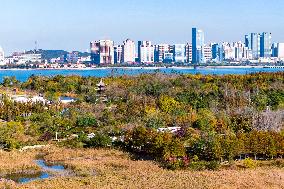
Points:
(49, 54)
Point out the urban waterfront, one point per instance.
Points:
(24, 74)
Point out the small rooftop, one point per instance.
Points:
(101, 84)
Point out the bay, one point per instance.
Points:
(24, 74)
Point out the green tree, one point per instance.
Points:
(11, 135)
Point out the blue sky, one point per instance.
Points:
(71, 24)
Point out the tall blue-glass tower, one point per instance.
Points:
(197, 46)
(265, 45)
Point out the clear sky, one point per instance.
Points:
(72, 24)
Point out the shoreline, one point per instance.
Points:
(149, 68)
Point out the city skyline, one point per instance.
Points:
(71, 25)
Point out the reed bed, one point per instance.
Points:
(114, 169)
(17, 162)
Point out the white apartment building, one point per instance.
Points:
(24, 58)
(129, 52)
(147, 51)
(207, 50)
(188, 52)
(102, 52)
(280, 49)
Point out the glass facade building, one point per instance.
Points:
(197, 46)
(179, 52)
(265, 45)
(255, 45)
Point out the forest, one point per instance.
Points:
(219, 118)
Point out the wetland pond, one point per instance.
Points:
(47, 171)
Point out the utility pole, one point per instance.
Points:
(56, 136)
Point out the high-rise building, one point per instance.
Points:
(2, 56)
(102, 52)
(274, 49)
(265, 45)
(128, 51)
(118, 54)
(255, 45)
(239, 50)
(229, 51)
(247, 54)
(197, 46)
(280, 50)
(160, 51)
(146, 52)
(188, 53)
(179, 53)
(156, 54)
(248, 41)
(215, 51)
(207, 50)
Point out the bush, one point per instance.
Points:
(213, 165)
(100, 140)
(87, 121)
(249, 163)
(12, 135)
(73, 143)
(204, 165)
(198, 166)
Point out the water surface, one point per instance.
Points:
(23, 74)
(45, 173)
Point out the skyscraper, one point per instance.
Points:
(161, 49)
(139, 51)
(146, 52)
(207, 50)
(179, 53)
(128, 51)
(102, 52)
(280, 50)
(248, 41)
(215, 52)
(274, 49)
(255, 45)
(118, 54)
(265, 45)
(197, 46)
(188, 52)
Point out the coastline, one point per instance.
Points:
(148, 68)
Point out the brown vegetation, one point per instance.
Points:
(114, 169)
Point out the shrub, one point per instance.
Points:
(198, 165)
(249, 163)
(100, 140)
(11, 135)
(213, 165)
(73, 143)
(86, 121)
(204, 165)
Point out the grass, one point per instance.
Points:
(17, 162)
(114, 169)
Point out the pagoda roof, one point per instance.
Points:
(101, 84)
